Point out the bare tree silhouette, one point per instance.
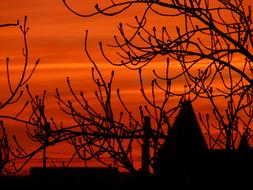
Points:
(232, 121)
(4, 149)
(39, 127)
(4, 145)
(15, 92)
(206, 46)
(104, 133)
(212, 44)
(10, 24)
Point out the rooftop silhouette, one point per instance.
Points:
(185, 160)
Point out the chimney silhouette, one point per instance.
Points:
(145, 146)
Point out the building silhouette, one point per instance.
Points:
(185, 160)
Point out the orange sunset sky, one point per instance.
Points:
(56, 37)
